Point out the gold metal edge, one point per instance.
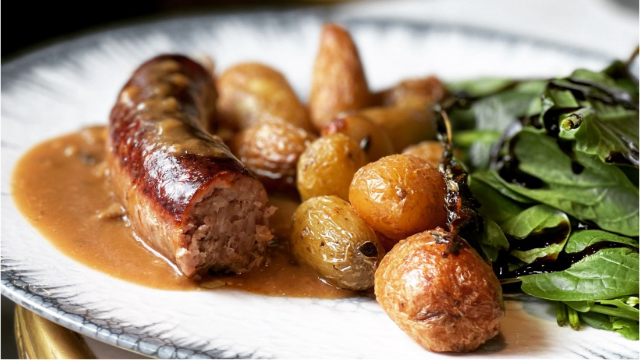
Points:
(39, 338)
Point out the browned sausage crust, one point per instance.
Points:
(186, 195)
(444, 301)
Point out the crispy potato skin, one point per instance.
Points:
(339, 83)
(399, 195)
(429, 151)
(416, 93)
(403, 125)
(375, 142)
(251, 93)
(271, 150)
(327, 166)
(329, 236)
(403, 110)
(445, 303)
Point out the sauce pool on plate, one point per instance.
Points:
(61, 186)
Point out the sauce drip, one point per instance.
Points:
(61, 188)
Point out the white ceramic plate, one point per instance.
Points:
(72, 84)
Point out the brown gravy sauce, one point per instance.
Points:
(60, 187)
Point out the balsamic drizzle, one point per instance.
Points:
(549, 264)
(509, 169)
(464, 222)
(541, 238)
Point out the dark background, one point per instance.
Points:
(31, 24)
(39, 23)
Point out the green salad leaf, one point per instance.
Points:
(581, 240)
(493, 239)
(609, 273)
(480, 87)
(498, 111)
(625, 327)
(600, 192)
(598, 321)
(613, 307)
(477, 145)
(619, 72)
(494, 180)
(555, 172)
(607, 131)
(492, 204)
(488, 116)
(535, 224)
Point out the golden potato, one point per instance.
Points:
(327, 166)
(281, 222)
(369, 136)
(399, 195)
(329, 236)
(445, 302)
(271, 151)
(429, 151)
(339, 83)
(415, 94)
(404, 126)
(251, 93)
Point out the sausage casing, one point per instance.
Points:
(186, 195)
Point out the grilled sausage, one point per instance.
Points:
(186, 195)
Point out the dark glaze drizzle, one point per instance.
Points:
(627, 158)
(541, 238)
(547, 264)
(509, 169)
(610, 96)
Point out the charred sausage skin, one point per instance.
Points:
(164, 164)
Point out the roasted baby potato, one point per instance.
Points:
(416, 94)
(281, 222)
(271, 150)
(369, 136)
(399, 195)
(429, 151)
(404, 126)
(327, 166)
(329, 236)
(339, 83)
(251, 93)
(444, 301)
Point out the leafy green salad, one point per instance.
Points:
(554, 167)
